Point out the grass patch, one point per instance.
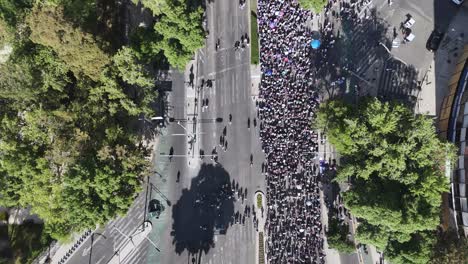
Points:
(261, 249)
(259, 201)
(24, 242)
(254, 49)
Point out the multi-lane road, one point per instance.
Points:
(198, 222)
(181, 229)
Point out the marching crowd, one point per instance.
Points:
(288, 104)
(291, 72)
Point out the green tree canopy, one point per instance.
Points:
(315, 5)
(178, 32)
(68, 148)
(337, 237)
(128, 68)
(6, 33)
(397, 167)
(450, 249)
(156, 7)
(76, 48)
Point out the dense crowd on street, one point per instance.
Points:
(288, 102)
(287, 106)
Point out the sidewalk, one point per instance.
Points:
(61, 252)
(426, 103)
(326, 152)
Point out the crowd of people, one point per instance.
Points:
(289, 97)
(288, 104)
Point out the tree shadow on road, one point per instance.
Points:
(350, 49)
(206, 207)
(354, 60)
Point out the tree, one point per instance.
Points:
(316, 5)
(450, 249)
(415, 251)
(178, 31)
(130, 70)
(181, 31)
(337, 237)
(6, 33)
(396, 165)
(76, 48)
(156, 7)
(11, 10)
(68, 150)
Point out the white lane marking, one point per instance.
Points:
(97, 239)
(236, 86)
(223, 100)
(86, 251)
(227, 69)
(101, 259)
(123, 228)
(117, 222)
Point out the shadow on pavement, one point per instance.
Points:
(202, 210)
(355, 59)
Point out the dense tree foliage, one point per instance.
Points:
(128, 68)
(450, 249)
(396, 165)
(337, 236)
(6, 34)
(315, 5)
(75, 47)
(68, 148)
(157, 7)
(178, 31)
(12, 10)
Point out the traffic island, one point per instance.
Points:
(260, 205)
(261, 249)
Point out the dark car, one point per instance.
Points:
(434, 40)
(155, 208)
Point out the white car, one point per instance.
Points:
(458, 2)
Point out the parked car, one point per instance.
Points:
(434, 40)
(155, 208)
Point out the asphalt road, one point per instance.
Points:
(184, 232)
(106, 241)
(179, 230)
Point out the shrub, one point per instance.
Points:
(259, 201)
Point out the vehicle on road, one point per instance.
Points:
(458, 2)
(155, 208)
(434, 40)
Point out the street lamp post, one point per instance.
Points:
(92, 242)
